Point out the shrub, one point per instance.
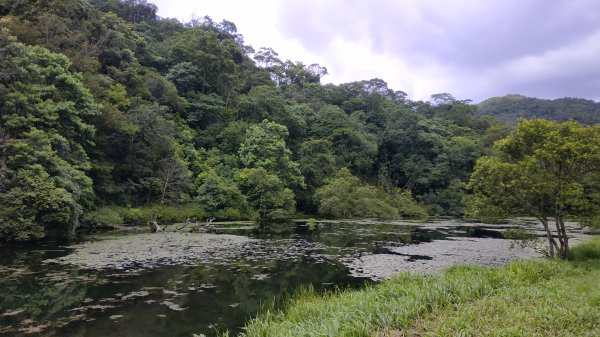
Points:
(586, 251)
(102, 217)
(134, 217)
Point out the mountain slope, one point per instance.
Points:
(510, 108)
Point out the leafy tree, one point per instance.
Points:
(354, 150)
(344, 196)
(264, 147)
(45, 117)
(317, 163)
(217, 193)
(187, 77)
(214, 59)
(266, 193)
(32, 207)
(544, 169)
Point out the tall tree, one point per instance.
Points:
(45, 121)
(264, 147)
(544, 169)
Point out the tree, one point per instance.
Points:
(267, 193)
(217, 193)
(45, 116)
(264, 147)
(544, 169)
(344, 196)
(317, 161)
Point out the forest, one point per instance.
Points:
(510, 108)
(278, 204)
(110, 113)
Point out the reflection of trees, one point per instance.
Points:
(242, 292)
(40, 299)
(288, 256)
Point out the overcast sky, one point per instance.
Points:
(473, 49)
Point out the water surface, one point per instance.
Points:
(174, 284)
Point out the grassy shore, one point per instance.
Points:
(524, 298)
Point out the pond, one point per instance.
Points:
(180, 284)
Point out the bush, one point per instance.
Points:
(406, 205)
(346, 196)
(586, 251)
(103, 217)
(176, 213)
(134, 217)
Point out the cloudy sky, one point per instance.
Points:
(473, 49)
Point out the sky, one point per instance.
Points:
(472, 49)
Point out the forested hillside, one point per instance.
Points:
(510, 108)
(104, 104)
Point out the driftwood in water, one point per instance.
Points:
(187, 222)
(154, 227)
(196, 227)
(208, 226)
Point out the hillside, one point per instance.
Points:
(510, 108)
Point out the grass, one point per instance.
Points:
(524, 298)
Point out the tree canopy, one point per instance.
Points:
(119, 107)
(544, 169)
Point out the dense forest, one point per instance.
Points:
(109, 112)
(510, 108)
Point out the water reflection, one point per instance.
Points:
(207, 296)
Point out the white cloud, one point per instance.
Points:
(470, 48)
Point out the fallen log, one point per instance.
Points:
(154, 227)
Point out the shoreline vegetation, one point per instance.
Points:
(114, 217)
(530, 298)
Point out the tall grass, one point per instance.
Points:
(402, 305)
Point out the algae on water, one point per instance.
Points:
(151, 249)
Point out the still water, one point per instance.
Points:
(174, 284)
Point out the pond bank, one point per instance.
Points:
(529, 297)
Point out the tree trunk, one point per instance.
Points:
(164, 191)
(560, 236)
(551, 240)
(565, 238)
(154, 227)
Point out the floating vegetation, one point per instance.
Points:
(149, 283)
(143, 251)
(435, 256)
(173, 306)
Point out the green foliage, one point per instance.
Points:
(32, 207)
(266, 193)
(117, 95)
(220, 196)
(170, 214)
(589, 250)
(45, 109)
(516, 300)
(134, 217)
(510, 108)
(544, 169)
(317, 161)
(164, 214)
(344, 196)
(264, 147)
(407, 207)
(104, 217)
